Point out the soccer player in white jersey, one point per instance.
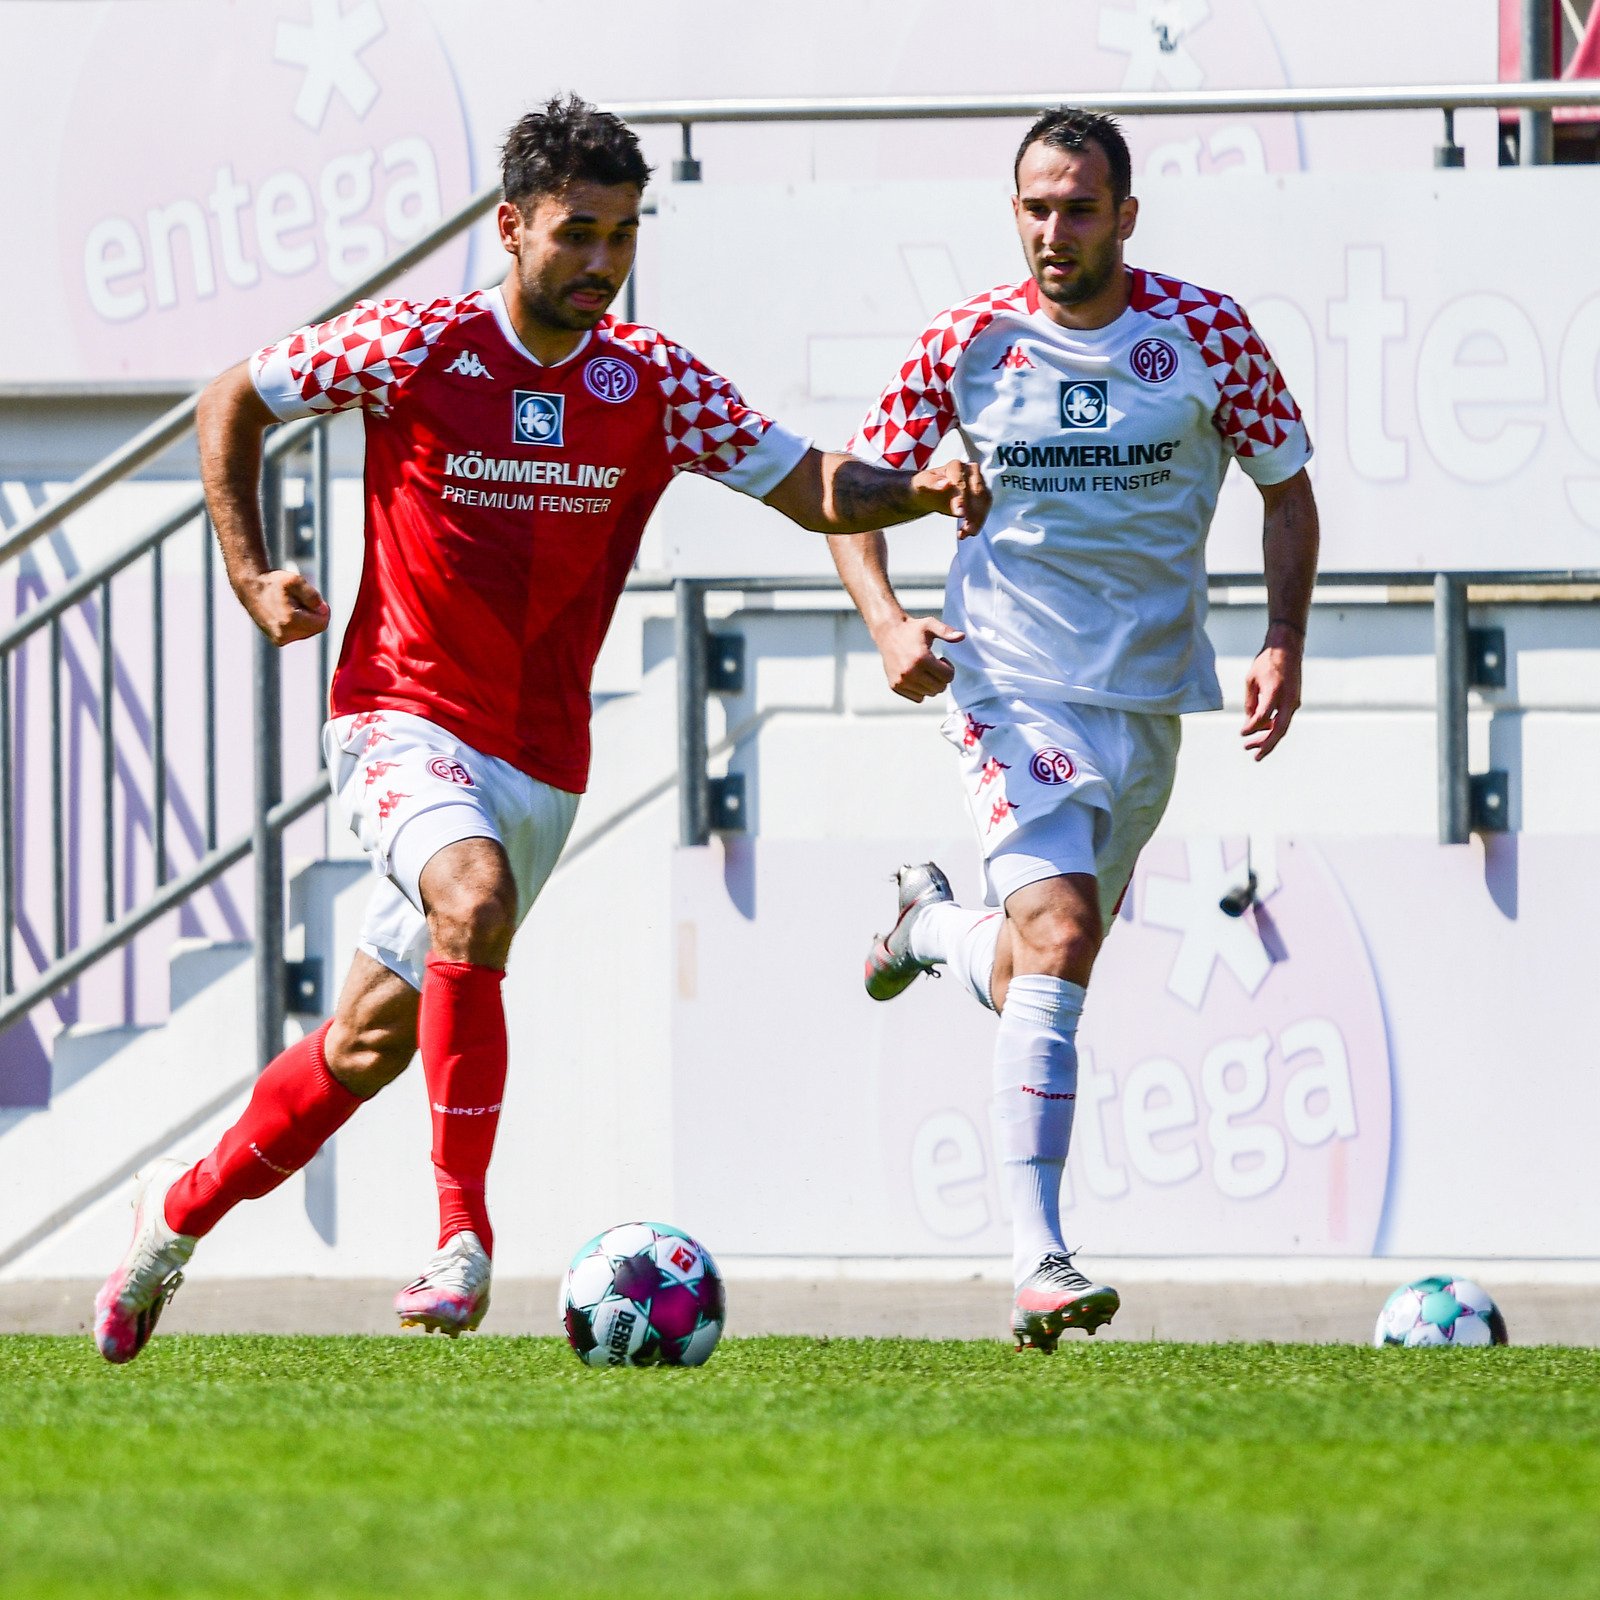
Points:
(517, 440)
(1103, 405)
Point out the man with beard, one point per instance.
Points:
(517, 439)
(1104, 405)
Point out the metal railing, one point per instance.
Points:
(1467, 801)
(102, 687)
(60, 960)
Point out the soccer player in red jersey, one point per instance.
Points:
(517, 438)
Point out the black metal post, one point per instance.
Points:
(1536, 129)
(1450, 666)
(694, 809)
(267, 842)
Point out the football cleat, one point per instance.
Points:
(891, 967)
(452, 1295)
(132, 1299)
(1055, 1296)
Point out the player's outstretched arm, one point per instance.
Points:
(905, 643)
(832, 493)
(1289, 541)
(230, 422)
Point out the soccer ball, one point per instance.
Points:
(641, 1295)
(1439, 1311)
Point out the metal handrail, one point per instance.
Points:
(166, 430)
(282, 442)
(169, 897)
(1546, 95)
(175, 424)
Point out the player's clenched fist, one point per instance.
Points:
(958, 489)
(285, 606)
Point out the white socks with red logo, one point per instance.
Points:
(1035, 1089)
(962, 939)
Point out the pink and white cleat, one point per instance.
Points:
(132, 1299)
(452, 1295)
(1055, 1296)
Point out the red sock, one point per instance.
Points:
(462, 1034)
(296, 1106)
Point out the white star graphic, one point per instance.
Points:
(329, 48)
(1190, 907)
(1151, 36)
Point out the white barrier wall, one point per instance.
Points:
(1391, 1055)
(690, 1039)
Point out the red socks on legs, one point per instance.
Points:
(297, 1105)
(462, 1035)
(295, 1108)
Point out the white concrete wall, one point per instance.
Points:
(828, 754)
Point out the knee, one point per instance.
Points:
(475, 920)
(365, 1054)
(1059, 940)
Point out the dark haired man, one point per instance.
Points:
(1104, 405)
(517, 439)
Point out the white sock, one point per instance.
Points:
(1035, 1088)
(963, 939)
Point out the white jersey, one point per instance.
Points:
(1104, 451)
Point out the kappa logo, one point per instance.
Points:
(611, 380)
(1153, 360)
(972, 731)
(1084, 406)
(469, 366)
(1013, 360)
(538, 418)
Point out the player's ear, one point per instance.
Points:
(509, 221)
(1127, 217)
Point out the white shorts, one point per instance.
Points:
(1058, 788)
(408, 789)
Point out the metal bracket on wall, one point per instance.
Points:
(1489, 805)
(302, 987)
(1486, 658)
(300, 530)
(726, 803)
(725, 663)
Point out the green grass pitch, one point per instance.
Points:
(794, 1467)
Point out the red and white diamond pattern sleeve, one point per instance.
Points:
(1255, 413)
(918, 408)
(359, 358)
(709, 428)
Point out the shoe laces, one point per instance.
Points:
(1057, 1269)
(458, 1268)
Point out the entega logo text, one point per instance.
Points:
(1084, 455)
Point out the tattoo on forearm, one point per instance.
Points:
(863, 494)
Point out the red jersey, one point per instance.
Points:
(505, 501)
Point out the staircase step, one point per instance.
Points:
(78, 1050)
(196, 964)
